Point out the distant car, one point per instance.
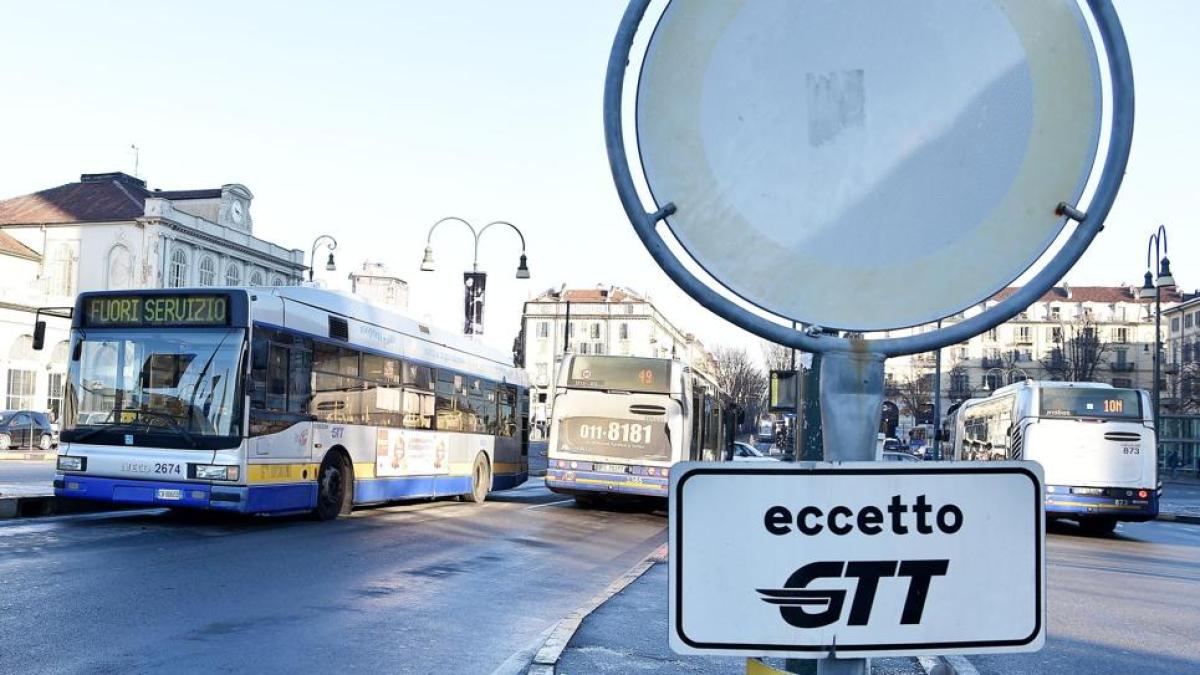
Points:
(890, 456)
(26, 429)
(892, 445)
(744, 452)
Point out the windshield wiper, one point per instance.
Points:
(82, 436)
(174, 425)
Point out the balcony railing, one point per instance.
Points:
(1126, 367)
(989, 362)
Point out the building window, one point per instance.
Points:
(233, 275)
(623, 331)
(570, 330)
(120, 268)
(595, 331)
(256, 278)
(1187, 353)
(1055, 313)
(599, 348)
(993, 335)
(1189, 320)
(543, 329)
(1121, 335)
(1175, 325)
(584, 348)
(1122, 382)
(20, 389)
(208, 271)
(1024, 334)
(177, 274)
(277, 280)
(628, 309)
(54, 395)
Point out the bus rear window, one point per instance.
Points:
(1102, 403)
(620, 373)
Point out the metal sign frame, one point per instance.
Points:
(1088, 226)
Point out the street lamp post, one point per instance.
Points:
(1152, 288)
(331, 244)
(474, 282)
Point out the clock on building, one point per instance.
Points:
(237, 212)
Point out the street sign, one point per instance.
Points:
(864, 558)
(785, 391)
(817, 152)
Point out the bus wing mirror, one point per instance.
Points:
(39, 334)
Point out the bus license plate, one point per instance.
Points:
(169, 494)
(610, 468)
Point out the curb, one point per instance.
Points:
(546, 658)
(1173, 518)
(37, 456)
(32, 506)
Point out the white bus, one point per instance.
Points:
(618, 423)
(1095, 443)
(272, 400)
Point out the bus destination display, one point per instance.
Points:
(156, 310)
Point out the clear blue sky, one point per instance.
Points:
(371, 120)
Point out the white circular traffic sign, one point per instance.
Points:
(866, 165)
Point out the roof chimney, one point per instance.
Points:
(1067, 290)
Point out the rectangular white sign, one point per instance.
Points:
(878, 558)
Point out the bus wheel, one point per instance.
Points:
(481, 480)
(334, 489)
(1098, 526)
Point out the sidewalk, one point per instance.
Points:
(26, 478)
(628, 634)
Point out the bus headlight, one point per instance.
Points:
(214, 472)
(66, 463)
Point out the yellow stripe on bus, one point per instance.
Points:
(364, 469)
(281, 473)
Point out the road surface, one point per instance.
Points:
(418, 588)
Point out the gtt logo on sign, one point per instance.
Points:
(795, 598)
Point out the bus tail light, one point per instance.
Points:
(1142, 494)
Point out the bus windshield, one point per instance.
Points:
(177, 381)
(1101, 403)
(621, 374)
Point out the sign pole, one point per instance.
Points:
(851, 395)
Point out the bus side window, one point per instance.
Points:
(258, 370)
(277, 372)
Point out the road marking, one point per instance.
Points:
(961, 665)
(16, 523)
(539, 506)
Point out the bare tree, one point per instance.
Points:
(776, 356)
(1077, 350)
(913, 391)
(739, 377)
(1187, 388)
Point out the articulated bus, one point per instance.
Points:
(274, 400)
(618, 423)
(1095, 443)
